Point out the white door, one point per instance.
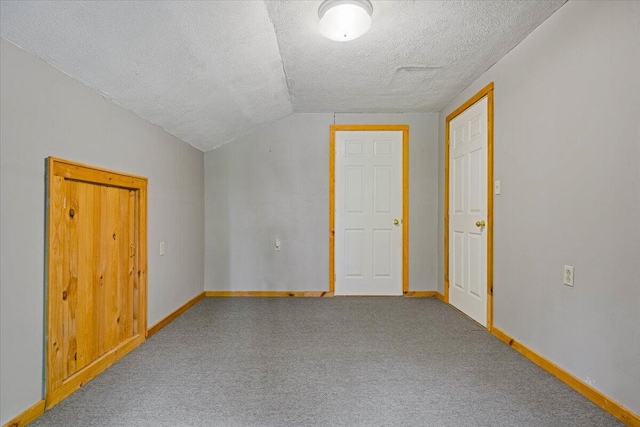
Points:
(368, 213)
(468, 212)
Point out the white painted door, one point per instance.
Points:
(468, 212)
(368, 213)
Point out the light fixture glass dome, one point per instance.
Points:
(344, 20)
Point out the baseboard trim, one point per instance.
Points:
(29, 415)
(171, 317)
(269, 294)
(307, 294)
(612, 407)
(422, 294)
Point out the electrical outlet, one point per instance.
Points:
(277, 245)
(161, 248)
(568, 275)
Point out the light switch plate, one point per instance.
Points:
(496, 186)
(161, 248)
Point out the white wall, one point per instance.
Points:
(567, 152)
(47, 113)
(275, 183)
(271, 183)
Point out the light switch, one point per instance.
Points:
(161, 248)
(496, 187)
(277, 246)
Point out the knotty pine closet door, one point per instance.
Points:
(96, 274)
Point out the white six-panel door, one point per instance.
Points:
(368, 213)
(468, 138)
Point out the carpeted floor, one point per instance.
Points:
(324, 362)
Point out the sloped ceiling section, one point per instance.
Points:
(207, 72)
(459, 39)
(212, 71)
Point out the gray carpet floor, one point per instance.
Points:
(324, 362)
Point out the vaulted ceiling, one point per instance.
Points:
(209, 72)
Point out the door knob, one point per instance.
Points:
(480, 224)
(396, 222)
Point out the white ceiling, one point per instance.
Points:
(209, 72)
(463, 37)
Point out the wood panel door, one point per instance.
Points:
(95, 272)
(468, 214)
(368, 213)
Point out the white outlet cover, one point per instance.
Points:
(568, 275)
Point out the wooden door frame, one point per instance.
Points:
(486, 91)
(405, 196)
(53, 270)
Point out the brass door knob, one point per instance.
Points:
(480, 224)
(396, 222)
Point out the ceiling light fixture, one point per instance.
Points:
(344, 20)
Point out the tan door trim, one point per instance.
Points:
(488, 92)
(58, 168)
(405, 196)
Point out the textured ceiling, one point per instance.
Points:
(209, 72)
(464, 38)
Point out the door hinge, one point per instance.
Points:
(63, 329)
(64, 203)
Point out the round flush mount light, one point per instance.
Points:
(344, 20)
